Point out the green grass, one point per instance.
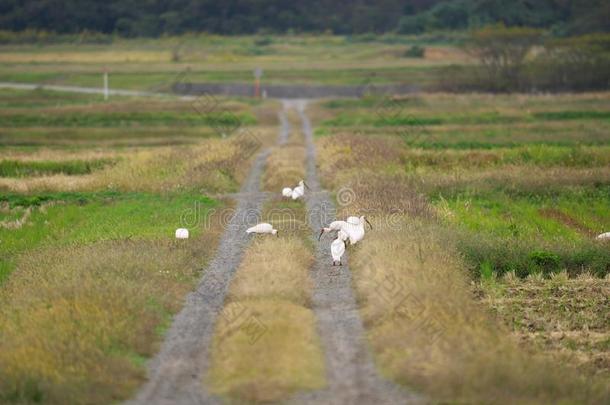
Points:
(529, 234)
(162, 80)
(18, 168)
(389, 116)
(125, 119)
(537, 155)
(84, 218)
(11, 98)
(72, 138)
(573, 115)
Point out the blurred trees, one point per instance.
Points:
(158, 17)
(577, 63)
(523, 59)
(502, 52)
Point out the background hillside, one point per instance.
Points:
(152, 18)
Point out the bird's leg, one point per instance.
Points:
(340, 263)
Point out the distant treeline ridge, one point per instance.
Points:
(152, 18)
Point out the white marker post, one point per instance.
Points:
(105, 84)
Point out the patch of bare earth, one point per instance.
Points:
(566, 318)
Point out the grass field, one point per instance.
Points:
(90, 196)
(154, 65)
(504, 192)
(481, 282)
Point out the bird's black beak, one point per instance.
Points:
(306, 186)
(320, 236)
(367, 221)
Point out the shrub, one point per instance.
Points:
(524, 257)
(263, 41)
(502, 52)
(579, 63)
(547, 262)
(415, 51)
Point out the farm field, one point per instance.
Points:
(90, 196)
(480, 280)
(492, 194)
(154, 65)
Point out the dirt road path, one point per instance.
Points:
(176, 373)
(351, 374)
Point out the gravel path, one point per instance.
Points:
(351, 374)
(175, 375)
(177, 372)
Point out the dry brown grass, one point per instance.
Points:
(287, 357)
(426, 329)
(428, 332)
(272, 289)
(275, 268)
(523, 179)
(450, 159)
(286, 163)
(285, 167)
(76, 322)
(345, 156)
(60, 155)
(214, 165)
(105, 56)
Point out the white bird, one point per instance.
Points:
(353, 220)
(355, 229)
(603, 236)
(182, 233)
(334, 226)
(295, 193)
(337, 249)
(342, 235)
(263, 228)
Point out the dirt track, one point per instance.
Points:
(177, 372)
(351, 374)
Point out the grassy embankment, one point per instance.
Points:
(449, 214)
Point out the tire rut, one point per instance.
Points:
(175, 375)
(350, 370)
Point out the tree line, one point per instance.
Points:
(152, 18)
(528, 59)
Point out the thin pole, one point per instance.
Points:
(105, 85)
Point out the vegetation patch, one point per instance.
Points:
(67, 218)
(77, 320)
(271, 350)
(563, 316)
(462, 213)
(17, 168)
(428, 332)
(120, 119)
